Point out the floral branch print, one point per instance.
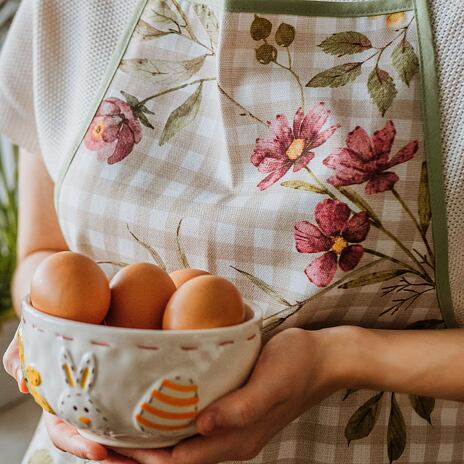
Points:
(114, 131)
(291, 146)
(380, 84)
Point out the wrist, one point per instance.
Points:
(345, 354)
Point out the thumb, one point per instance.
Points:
(12, 364)
(243, 406)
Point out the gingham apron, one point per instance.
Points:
(283, 148)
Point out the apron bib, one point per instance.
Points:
(292, 147)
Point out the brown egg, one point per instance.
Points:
(181, 276)
(71, 286)
(139, 294)
(204, 302)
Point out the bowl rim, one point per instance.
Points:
(255, 310)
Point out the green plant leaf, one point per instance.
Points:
(145, 31)
(373, 278)
(182, 116)
(302, 185)
(153, 253)
(423, 201)
(405, 61)
(144, 120)
(427, 324)
(423, 405)
(163, 72)
(363, 420)
(181, 256)
(346, 43)
(337, 76)
(161, 12)
(359, 201)
(208, 20)
(266, 288)
(382, 89)
(396, 431)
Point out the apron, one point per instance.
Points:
(292, 147)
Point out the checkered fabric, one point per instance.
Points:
(190, 179)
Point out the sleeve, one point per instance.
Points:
(17, 109)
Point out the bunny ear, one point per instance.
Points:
(86, 374)
(67, 365)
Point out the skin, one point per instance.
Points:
(238, 425)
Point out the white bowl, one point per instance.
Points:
(133, 387)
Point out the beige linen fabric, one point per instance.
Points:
(203, 175)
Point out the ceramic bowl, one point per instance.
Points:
(133, 387)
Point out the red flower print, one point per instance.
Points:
(291, 146)
(114, 131)
(365, 159)
(337, 228)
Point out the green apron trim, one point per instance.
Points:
(316, 8)
(106, 82)
(434, 157)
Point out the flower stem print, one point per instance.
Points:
(266, 53)
(380, 84)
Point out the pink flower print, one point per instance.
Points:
(336, 231)
(114, 131)
(291, 146)
(365, 159)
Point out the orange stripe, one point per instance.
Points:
(178, 387)
(173, 400)
(152, 425)
(168, 415)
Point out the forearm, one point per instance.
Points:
(23, 276)
(422, 362)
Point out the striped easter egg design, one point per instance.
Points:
(170, 406)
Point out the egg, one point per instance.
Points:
(204, 302)
(181, 276)
(139, 294)
(71, 286)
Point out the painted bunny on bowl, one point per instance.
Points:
(76, 405)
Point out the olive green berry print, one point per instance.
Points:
(381, 84)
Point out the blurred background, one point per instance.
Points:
(18, 414)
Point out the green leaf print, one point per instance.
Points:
(423, 405)
(359, 201)
(396, 431)
(405, 61)
(285, 35)
(145, 31)
(181, 256)
(302, 185)
(182, 116)
(266, 288)
(260, 28)
(374, 278)
(208, 20)
(346, 43)
(163, 72)
(41, 456)
(382, 89)
(337, 76)
(363, 420)
(423, 202)
(153, 253)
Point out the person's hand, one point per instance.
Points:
(66, 438)
(296, 370)
(12, 364)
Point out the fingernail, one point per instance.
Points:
(21, 383)
(208, 423)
